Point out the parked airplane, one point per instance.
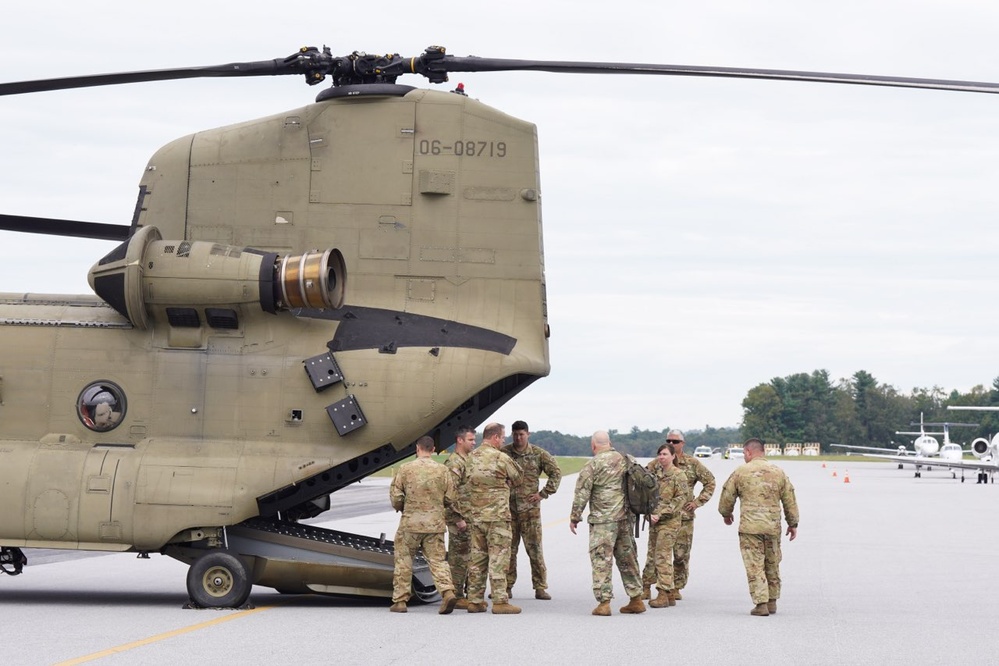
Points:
(926, 449)
(985, 450)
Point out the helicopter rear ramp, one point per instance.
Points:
(305, 559)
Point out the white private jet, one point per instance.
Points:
(986, 451)
(926, 449)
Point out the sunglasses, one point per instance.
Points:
(674, 441)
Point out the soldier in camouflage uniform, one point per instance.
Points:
(459, 536)
(763, 488)
(490, 474)
(674, 493)
(695, 471)
(420, 490)
(601, 484)
(525, 506)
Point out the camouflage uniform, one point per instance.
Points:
(763, 488)
(420, 489)
(459, 544)
(489, 473)
(695, 471)
(526, 515)
(601, 483)
(673, 494)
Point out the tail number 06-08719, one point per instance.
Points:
(463, 148)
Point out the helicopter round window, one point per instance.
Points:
(101, 406)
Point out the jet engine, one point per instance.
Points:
(983, 448)
(147, 276)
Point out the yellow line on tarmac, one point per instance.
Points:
(163, 636)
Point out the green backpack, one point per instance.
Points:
(641, 490)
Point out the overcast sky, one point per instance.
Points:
(702, 236)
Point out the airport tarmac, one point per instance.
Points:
(886, 569)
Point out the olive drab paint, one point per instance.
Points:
(301, 298)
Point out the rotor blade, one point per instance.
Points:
(473, 64)
(259, 68)
(359, 68)
(73, 228)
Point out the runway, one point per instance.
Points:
(886, 569)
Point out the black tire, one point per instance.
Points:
(218, 580)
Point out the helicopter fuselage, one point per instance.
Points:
(218, 377)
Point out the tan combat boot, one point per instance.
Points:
(542, 594)
(505, 608)
(672, 597)
(398, 607)
(448, 603)
(636, 605)
(647, 592)
(661, 601)
(474, 607)
(760, 610)
(676, 595)
(603, 608)
(772, 606)
(461, 604)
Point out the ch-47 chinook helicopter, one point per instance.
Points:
(297, 299)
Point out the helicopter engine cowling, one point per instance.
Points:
(147, 276)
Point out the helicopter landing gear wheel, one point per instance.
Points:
(424, 589)
(218, 580)
(14, 558)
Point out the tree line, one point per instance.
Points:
(803, 407)
(639, 443)
(859, 410)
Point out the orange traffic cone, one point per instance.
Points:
(823, 465)
(834, 472)
(846, 477)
